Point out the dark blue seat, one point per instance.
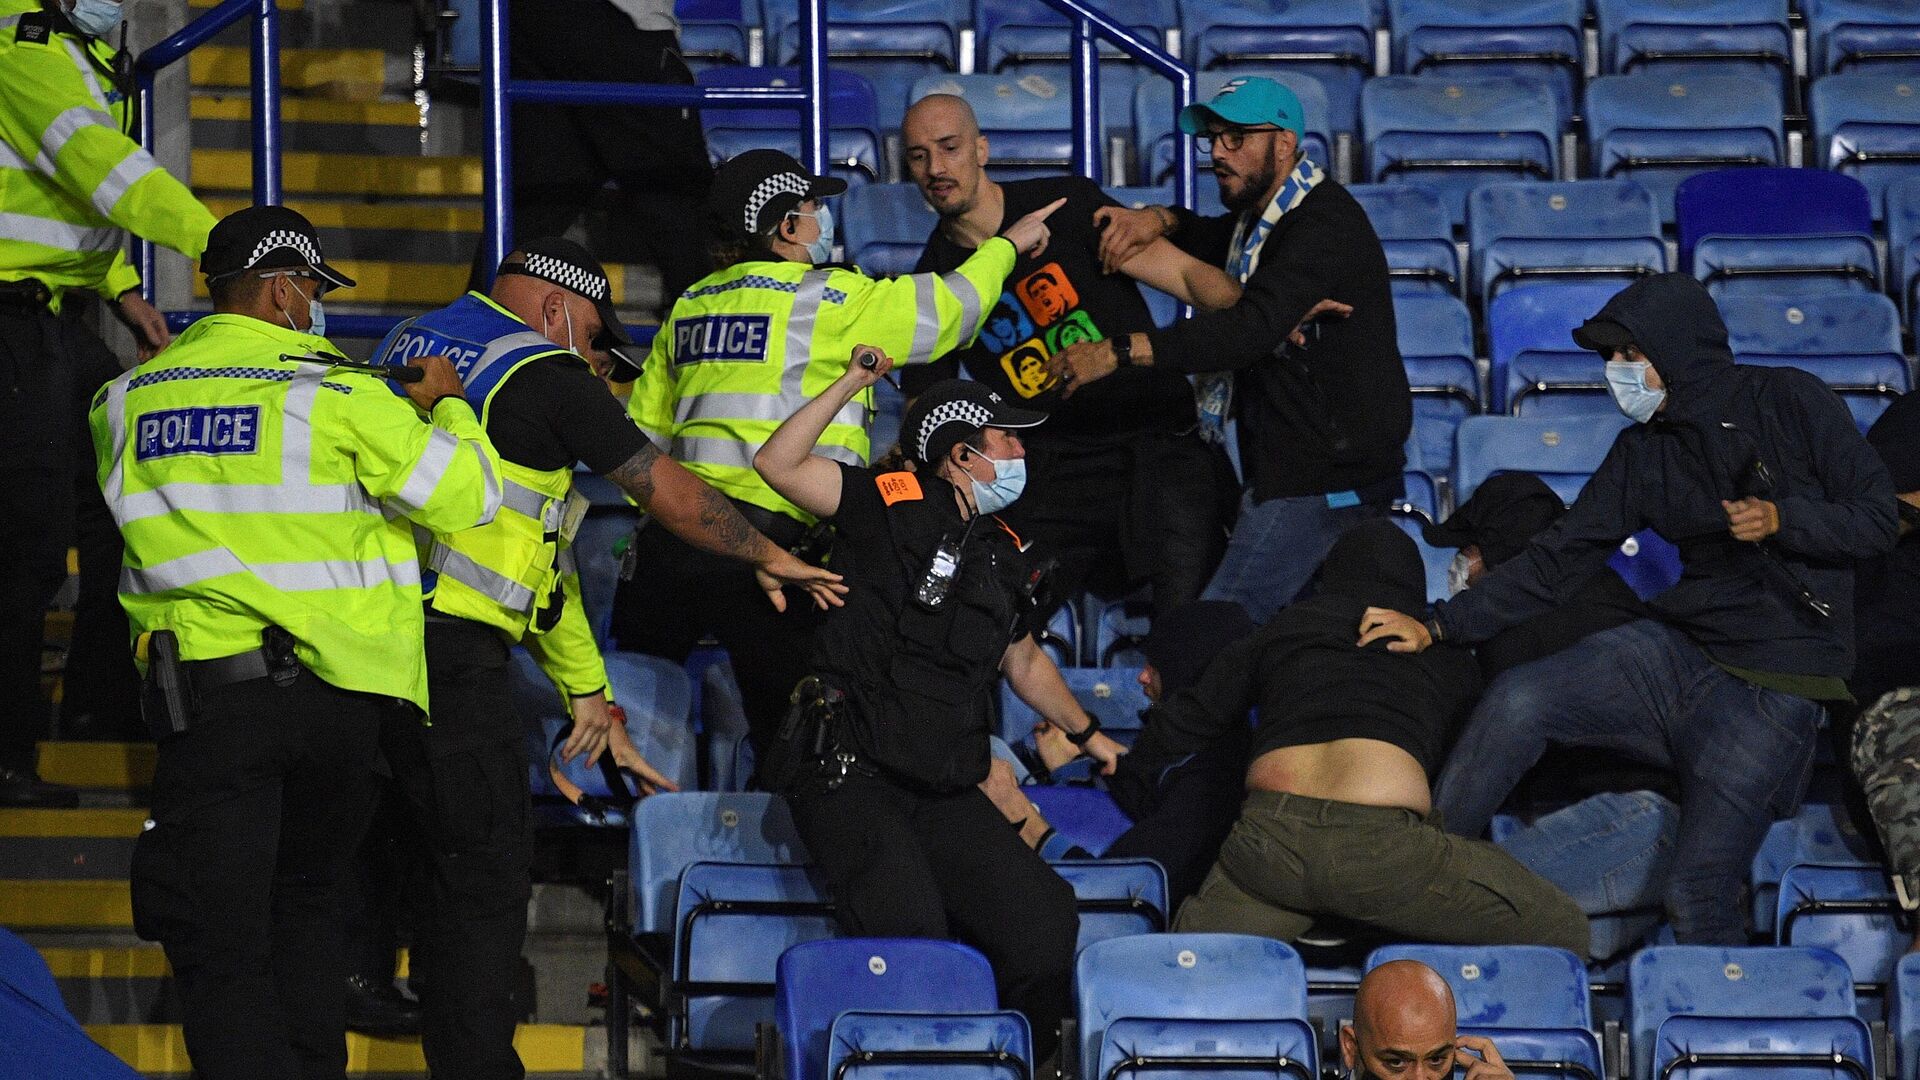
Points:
(1903, 242)
(715, 33)
(1729, 1048)
(1765, 984)
(1536, 38)
(853, 141)
(1153, 120)
(1458, 133)
(816, 981)
(1698, 38)
(870, 1045)
(1148, 1003)
(1819, 833)
(1561, 450)
(658, 700)
(1850, 340)
(40, 1036)
(723, 723)
(1535, 368)
(1331, 40)
(1862, 35)
(1029, 124)
(886, 228)
(1867, 126)
(1086, 816)
(674, 830)
(1435, 560)
(1423, 475)
(1903, 1017)
(1849, 909)
(1026, 39)
(1573, 230)
(732, 922)
(1648, 562)
(1436, 345)
(1530, 999)
(1417, 234)
(1115, 897)
(890, 43)
(597, 550)
(1658, 129)
(1777, 231)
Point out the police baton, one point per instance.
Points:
(405, 373)
(869, 359)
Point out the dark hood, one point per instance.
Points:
(1676, 323)
(1378, 565)
(1185, 640)
(1500, 519)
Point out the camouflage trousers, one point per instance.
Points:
(1886, 760)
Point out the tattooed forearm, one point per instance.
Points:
(689, 508)
(723, 530)
(635, 475)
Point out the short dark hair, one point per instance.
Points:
(235, 290)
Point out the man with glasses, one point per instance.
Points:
(1322, 403)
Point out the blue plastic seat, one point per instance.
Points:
(1903, 241)
(1331, 40)
(1199, 998)
(1862, 35)
(1532, 1000)
(1026, 39)
(658, 701)
(1116, 897)
(1819, 833)
(1417, 234)
(1029, 123)
(732, 922)
(1849, 909)
(1536, 38)
(1850, 340)
(1535, 368)
(1458, 133)
(723, 723)
(716, 33)
(887, 226)
(1111, 693)
(1436, 345)
(1777, 231)
(1153, 120)
(674, 830)
(1086, 816)
(1903, 1017)
(40, 1035)
(1868, 127)
(1435, 560)
(1121, 625)
(869, 1045)
(1423, 475)
(1574, 230)
(816, 981)
(1648, 562)
(853, 141)
(597, 550)
(1698, 38)
(1561, 450)
(1728, 1048)
(1659, 130)
(1764, 983)
(890, 43)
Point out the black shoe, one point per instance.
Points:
(104, 727)
(379, 1008)
(20, 788)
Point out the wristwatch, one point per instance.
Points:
(1085, 735)
(1433, 627)
(1123, 349)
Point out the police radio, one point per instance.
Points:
(937, 582)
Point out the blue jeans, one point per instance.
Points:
(1741, 754)
(1612, 853)
(1275, 548)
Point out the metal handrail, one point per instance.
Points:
(1090, 26)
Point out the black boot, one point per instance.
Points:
(377, 1007)
(20, 788)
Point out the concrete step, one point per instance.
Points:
(309, 173)
(354, 74)
(55, 904)
(86, 844)
(548, 1050)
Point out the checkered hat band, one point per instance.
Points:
(284, 238)
(778, 184)
(939, 416)
(567, 275)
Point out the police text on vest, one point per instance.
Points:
(215, 429)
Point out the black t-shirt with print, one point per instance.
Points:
(1049, 303)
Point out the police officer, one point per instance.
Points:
(74, 184)
(741, 352)
(882, 753)
(267, 493)
(524, 356)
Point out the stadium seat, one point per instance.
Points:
(1705, 37)
(1422, 479)
(1862, 35)
(1116, 897)
(1574, 230)
(1849, 909)
(853, 142)
(731, 923)
(1530, 999)
(1819, 833)
(896, 1046)
(1201, 999)
(1026, 38)
(1850, 340)
(1535, 368)
(1436, 344)
(1122, 625)
(723, 724)
(658, 701)
(40, 1035)
(1536, 38)
(886, 227)
(1805, 1048)
(1458, 133)
(1868, 127)
(1659, 130)
(717, 33)
(1777, 231)
(1087, 817)
(1648, 562)
(1903, 1017)
(1417, 235)
(674, 830)
(890, 43)
(1331, 40)
(1903, 243)
(1156, 138)
(816, 981)
(1765, 983)
(1437, 561)
(1561, 450)
(1029, 122)
(597, 551)
(1111, 693)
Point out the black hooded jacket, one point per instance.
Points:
(1743, 608)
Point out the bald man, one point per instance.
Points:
(1119, 485)
(1404, 1028)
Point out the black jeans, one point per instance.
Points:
(1181, 814)
(903, 864)
(257, 810)
(463, 781)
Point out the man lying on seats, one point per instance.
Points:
(1405, 1026)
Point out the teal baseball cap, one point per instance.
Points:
(1248, 102)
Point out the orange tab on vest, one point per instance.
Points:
(899, 487)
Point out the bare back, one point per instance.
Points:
(1368, 772)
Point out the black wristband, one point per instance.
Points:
(1123, 349)
(1433, 628)
(1084, 735)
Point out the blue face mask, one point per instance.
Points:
(1627, 380)
(316, 314)
(820, 251)
(1009, 480)
(94, 18)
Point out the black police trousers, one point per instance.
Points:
(463, 783)
(257, 810)
(905, 864)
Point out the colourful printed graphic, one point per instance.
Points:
(1076, 327)
(1047, 294)
(1006, 327)
(1026, 369)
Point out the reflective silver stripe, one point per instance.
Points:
(296, 426)
(58, 234)
(490, 487)
(843, 454)
(806, 308)
(242, 499)
(500, 347)
(65, 126)
(86, 71)
(715, 450)
(524, 500)
(969, 298)
(496, 587)
(137, 167)
(11, 159)
(769, 407)
(7, 22)
(202, 566)
(926, 320)
(565, 562)
(428, 470)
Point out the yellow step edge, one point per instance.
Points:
(65, 903)
(304, 172)
(283, 5)
(161, 1049)
(126, 962)
(73, 560)
(418, 217)
(300, 69)
(311, 111)
(379, 282)
(97, 764)
(110, 824)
